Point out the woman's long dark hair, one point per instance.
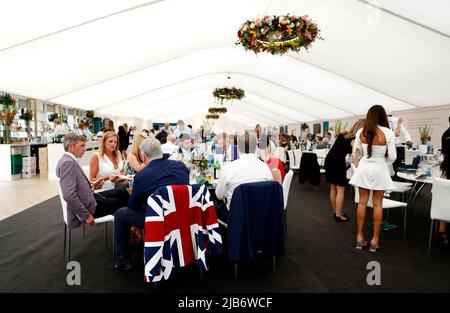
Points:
(445, 167)
(375, 116)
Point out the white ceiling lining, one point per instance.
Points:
(410, 64)
(395, 57)
(265, 68)
(287, 98)
(202, 105)
(435, 17)
(123, 43)
(52, 16)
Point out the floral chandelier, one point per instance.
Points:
(228, 94)
(217, 110)
(278, 34)
(212, 116)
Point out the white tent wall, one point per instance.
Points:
(435, 117)
(131, 121)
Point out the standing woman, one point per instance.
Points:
(377, 143)
(336, 170)
(124, 140)
(107, 162)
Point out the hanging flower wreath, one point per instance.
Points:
(278, 34)
(212, 116)
(217, 110)
(228, 94)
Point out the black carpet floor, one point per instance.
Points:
(320, 256)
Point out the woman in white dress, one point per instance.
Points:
(376, 143)
(107, 163)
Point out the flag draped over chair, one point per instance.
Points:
(180, 222)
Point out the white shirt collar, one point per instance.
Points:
(247, 155)
(71, 155)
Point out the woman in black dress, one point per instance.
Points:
(336, 169)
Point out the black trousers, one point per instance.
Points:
(400, 161)
(109, 201)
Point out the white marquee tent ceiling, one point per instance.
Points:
(160, 60)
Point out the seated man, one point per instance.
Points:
(158, 172)
(83, 205)
(226, 147)
(186, 148)
(170, 146)
(247, 169)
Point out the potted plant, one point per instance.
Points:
(8, 110)
(424, 132)
(27, 116)
(52, 117)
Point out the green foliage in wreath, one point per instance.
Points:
(278, 34)
(228, 94)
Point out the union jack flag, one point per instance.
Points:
(180, 221)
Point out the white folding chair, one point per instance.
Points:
(298, 157)
(68, 231)
(294, 164)
(439, 205)
(281, 154)
(286, 186)
(386, 205)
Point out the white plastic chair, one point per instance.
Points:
(294, 163)
(401, 188)
(439, 205)
(386, 205)
(286, 186)
(298, 157)
(68, 231)
(281, 154)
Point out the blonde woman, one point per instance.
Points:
(336, 170)
(107, 163)
(135, 162)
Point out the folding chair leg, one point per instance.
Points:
(404, 221)
(65, 239)
(84, 231)
(201, 274)
(387, 215)
(273, 262)
(430, 237)
(113, 243)
(235, 271)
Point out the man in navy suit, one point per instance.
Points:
(226, 147)
(158, 172)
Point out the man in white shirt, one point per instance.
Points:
(247, 169)
(170, 146)
(181, 129)
(402, 137)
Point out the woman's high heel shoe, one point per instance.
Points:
(342, 218)
(374, 247)
(361, 243)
